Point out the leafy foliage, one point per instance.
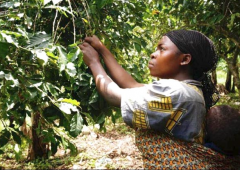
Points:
(42, 70)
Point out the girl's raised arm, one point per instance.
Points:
(117, 73)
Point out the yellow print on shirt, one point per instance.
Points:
(174, 120)
(140, 119)
(164, 105)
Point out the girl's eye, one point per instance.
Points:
(161, 48)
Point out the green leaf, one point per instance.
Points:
(93, 97)
(73, 54)
(50, 54)
(101, 119)
(71, 70)
(54, 90)
(61, 9)
(39, 39)
(10, 78)
(64, 123)
(80, 59)
(73, 149)
(54, 146)
(74, 102)
(76, 125)
(4, 48)
(67, 108)
(52, 113)
(56, 1)
(46, 1)
(7, 4)
(62, 60)
(16, 138)
(48, 135)
(102, 3)
(42, 56)
(137, 47)
(86, 21)
(4, 137)
(8, 39)
(1, 152)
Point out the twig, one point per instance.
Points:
(54, 34)
(73, 20)
(57, 28)
(62, 32)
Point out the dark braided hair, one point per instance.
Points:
(204, 59)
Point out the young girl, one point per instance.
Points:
(168, 114)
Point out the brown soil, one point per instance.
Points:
(114, 149)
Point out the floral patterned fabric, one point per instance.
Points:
(161, 151)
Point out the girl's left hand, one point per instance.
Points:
(90, 55)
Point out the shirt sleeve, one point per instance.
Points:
(164, 106)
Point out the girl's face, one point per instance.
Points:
(165, 62)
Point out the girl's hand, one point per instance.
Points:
(94, 42)
(90, 55)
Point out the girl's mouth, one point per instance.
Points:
(150, 65)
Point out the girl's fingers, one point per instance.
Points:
(85, 44)
(88, 39)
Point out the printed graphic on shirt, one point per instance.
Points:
(164, 105)
(140, 119)
(174, 120)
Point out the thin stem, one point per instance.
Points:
(88, 17)
(73, 20)
(54, 34)
(57, 28)
(62, 32)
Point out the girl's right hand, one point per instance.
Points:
(94, 42)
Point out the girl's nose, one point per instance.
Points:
(153, 55)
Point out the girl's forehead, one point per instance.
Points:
(164, 40)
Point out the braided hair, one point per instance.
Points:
(204, 59)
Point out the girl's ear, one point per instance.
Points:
(186, 58)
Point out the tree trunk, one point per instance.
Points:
(233, 87)
(214, 77)
(234, 69)
(37, 149)
(228, 82)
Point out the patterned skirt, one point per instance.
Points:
(160, 151)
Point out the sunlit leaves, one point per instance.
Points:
(11, 4)
(62, 60)
(67, 108)
(71, 70)
(61, 9)
(40, 40)
(6, 36)
(42, 56)
(73, 102)
(73, 53)
(42, 67)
